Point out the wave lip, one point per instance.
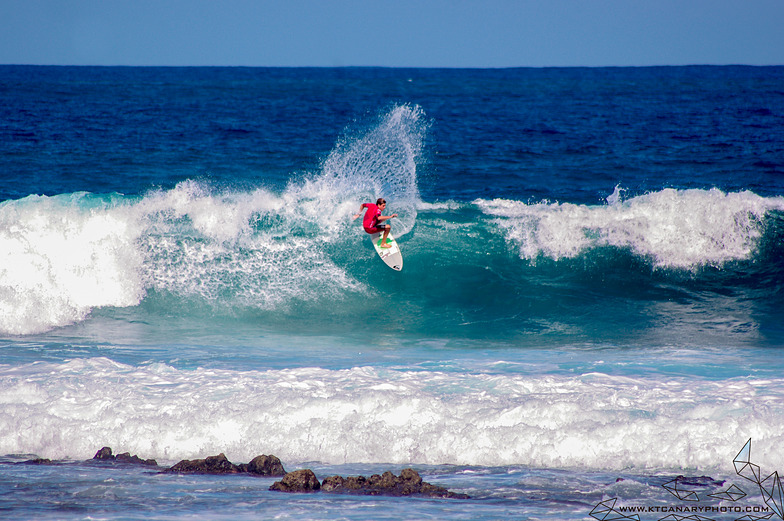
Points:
(682, 229)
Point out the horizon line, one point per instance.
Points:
(399, 66)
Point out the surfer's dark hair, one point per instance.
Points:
(380, 200)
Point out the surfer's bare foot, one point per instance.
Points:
(385, 245)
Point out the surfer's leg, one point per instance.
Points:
(384, 243)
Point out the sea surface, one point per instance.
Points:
(591, 303)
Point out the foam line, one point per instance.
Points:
(368, 414)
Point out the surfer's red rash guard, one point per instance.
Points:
(371, 218)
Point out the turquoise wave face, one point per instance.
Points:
(501, 269)
(693, 263)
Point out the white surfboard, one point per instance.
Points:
(391, 256)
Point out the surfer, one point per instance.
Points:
(373, 220)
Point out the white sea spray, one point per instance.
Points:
(680, 229)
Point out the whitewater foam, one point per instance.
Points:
(61, 256)
(672, 228)
(253, 249)
(369, 414)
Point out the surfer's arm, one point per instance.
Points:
(385, 217)
(364, 205)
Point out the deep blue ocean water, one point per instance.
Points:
(592, 300)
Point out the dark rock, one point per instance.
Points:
(126, 457)
(211, 465)
(699, 481)
(264, 466)
(297, 481)
(37, 461)
(333, 483)
(260, 465)
(409, 483)
(105, 454)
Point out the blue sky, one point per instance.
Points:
(392, 33)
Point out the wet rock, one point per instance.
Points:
(409, 483)
(105, 454)
(699, 481)
(297, 481)
(260, 465)
(264, 466)
(126, 457)
(210, 465)
(37, 461)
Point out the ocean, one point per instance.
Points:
(591, 303)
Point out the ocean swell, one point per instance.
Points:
(257, 251)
